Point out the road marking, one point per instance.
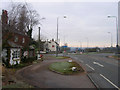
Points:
(81, 61)
(109, 81)
(90, 67)
(98, 64)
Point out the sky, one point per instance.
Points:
(86, 23)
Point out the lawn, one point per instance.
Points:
(65, 67)
(115, 57)
(62, 57)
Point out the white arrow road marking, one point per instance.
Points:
(90, 67)
(98, 64)
(109, 81)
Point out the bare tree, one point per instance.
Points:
(23, 19)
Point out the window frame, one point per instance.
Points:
(23, 40)
(16, 54)
(15, 39)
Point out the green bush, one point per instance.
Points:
(28, 60)
(24, 62)
(5, 62)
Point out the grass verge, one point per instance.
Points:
(115, 57)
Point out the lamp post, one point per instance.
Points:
(116, 29)
(57, 35)
(87, 42)
(80, 45)
(111, 39)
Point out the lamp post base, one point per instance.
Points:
(118, 50)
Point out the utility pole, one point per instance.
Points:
(80, 45)
(39, 39)
(117, 46)
(111, 39)
(57, 36)
(38, 56)
(87, 42)
(57, 39)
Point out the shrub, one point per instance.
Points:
(5, 62)
(28, 60)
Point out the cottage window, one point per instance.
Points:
(23, 40)
(16, 39)
(16, 54)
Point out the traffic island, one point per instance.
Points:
(115, 57)
(66, 67)
(62, 57)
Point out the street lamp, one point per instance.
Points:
(87, 42)
(57, 35)
(111, 39)
(80, 45)
(109, 16)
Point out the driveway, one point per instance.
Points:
(40, 76)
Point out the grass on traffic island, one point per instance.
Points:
(62, 57)
(115, 57)
(65, 67)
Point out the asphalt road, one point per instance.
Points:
(40, 76)
(102, 70)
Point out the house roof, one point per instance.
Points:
(12, 44)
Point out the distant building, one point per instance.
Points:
(50, 46)
(65, 48)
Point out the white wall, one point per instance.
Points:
(51, 44)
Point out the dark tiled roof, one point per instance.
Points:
(12, 44)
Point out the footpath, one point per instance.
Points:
(39, 76)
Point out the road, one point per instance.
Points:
(102, 70)
(40, 76)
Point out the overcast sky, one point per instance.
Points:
(85, 22)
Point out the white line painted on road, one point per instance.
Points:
(81, 61)
(90, 67)
(109, 81)
(98, 64)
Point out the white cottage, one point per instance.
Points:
(12, 53)
(50, 46)
(13, 41)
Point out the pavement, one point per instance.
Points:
(40, 76)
